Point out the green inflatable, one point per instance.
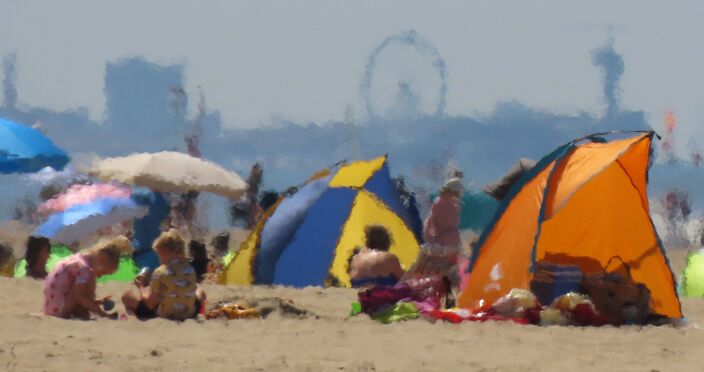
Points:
(126, 272)
(58, 253)
(692, 284)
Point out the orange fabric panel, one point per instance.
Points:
(505, 257)
(605, 218)
(580, 166)
(635, 163)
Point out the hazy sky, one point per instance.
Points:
(258, 61)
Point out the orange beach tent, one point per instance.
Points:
(581, 205)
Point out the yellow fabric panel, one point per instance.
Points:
(357, 174)
(505, 257)
(239, 270)
(581, 165)
(606, 218)
(368, 210)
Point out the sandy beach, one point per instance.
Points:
(314, 334)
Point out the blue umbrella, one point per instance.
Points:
(27, 150)
(83, 220)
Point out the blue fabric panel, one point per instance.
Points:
(306, 261)
(384, 188)
(281, 226)
(146, 229)
(146, 259)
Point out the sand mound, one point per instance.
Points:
(271, 306)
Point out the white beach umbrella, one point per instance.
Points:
(170, 172)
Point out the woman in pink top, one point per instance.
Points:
(441, 231)
(442, 226)
(69, 290)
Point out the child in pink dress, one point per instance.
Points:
(69, 290)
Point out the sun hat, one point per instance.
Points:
(453, 185)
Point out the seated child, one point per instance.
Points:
(69, 290)
(37, 254)
(172, 292)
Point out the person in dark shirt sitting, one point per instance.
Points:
(198, 259)
(37, 254)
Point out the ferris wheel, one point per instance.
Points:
(426, 54)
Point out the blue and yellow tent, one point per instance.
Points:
(307, 239)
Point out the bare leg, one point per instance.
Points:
(130, 300)
(81, 313)
(200, 295)
(200, 301)
(71, 307)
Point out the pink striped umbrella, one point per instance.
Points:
(82, 194)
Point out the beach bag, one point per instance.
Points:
(551, 281)
(616, 297)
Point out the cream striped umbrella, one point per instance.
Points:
(170, 172)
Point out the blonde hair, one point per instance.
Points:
(171, 241)
(113, 249)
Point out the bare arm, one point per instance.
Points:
(148, 296)
(395, 266)
(354, 267)
(85, 297)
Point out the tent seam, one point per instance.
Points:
(541, 215)
(659, 240)
(597, 173)
(339, 237)
(513, 192)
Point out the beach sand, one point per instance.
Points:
(314, 334)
